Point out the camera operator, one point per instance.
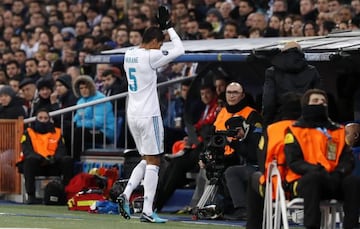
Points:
(240, 152)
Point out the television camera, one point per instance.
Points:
(213, 156)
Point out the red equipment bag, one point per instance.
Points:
(84, 199)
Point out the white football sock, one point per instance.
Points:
(136, 176)
(150, 184)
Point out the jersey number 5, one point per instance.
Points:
(133, 82)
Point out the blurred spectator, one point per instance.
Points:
(44, 69)
(73, 71)
(89, 42)
(69, 38)
(285, 30)
(113, 84)
(100, 68)
(63, 97)
(140, 22)
(30, 94)
(122, 38)
(192, 30)
(147, 10)
(259, 21)
(175, 113)
(12, 69)
(68, 57)
(230, 30)
(58, 42)
(225, 9)
(280, 7)
(355, 4)
(3, 78)
(20, 57)
(297, 27)
(15, 43)
(214, 17)
(45, 87)
(7, 56)
(11, 106)
(275, 22)
(69, 19)
(106, 26)
(14, 83)
(93, 16)
(310, 29)
(242, 11)
(322, 6)
(82, 28)
(205, 29)
(57, 69)
(31, 68)
(135, 37)
(308, 10)
(100, 117)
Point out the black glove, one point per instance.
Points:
(163, 18)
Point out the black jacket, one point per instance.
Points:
(66, 100)
(118, 87)
(289, 73)
(14, 110)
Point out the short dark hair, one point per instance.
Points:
(208, 86)
(13, 62)
(153, 33)
(306, 97)
(186, 82)
(108, 72)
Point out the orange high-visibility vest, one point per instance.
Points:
(275, 151)
(314, 146)
(45, 144)
(275, 148)
(224, 115)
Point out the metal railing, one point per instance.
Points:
(105, 145)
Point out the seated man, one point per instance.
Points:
(44, 153)
(320, 162)
(240, 151)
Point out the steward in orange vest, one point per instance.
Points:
(270, 148)
(320, 162)
(43, 153)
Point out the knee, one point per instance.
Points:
(230, 172)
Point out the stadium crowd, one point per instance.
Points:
(43, 39)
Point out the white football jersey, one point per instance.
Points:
(140, 67)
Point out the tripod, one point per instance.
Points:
(206, 206)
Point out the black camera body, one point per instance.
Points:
(213, 156)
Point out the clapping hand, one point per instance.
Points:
(163, 18)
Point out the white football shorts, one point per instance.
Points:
(148, 134)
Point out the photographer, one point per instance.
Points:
(44, 153)
(239, 157)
